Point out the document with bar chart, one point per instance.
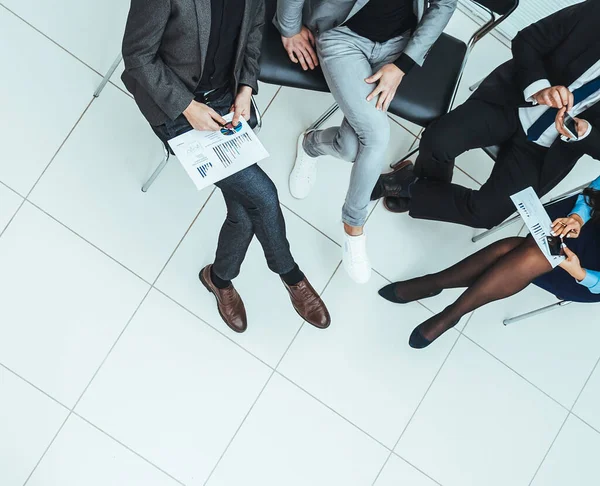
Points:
(537, 220)
(209, 157)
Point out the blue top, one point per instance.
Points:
(581, 208)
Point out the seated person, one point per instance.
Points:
(365, 49)
(520, 106)
(182, 84)
(508, 266)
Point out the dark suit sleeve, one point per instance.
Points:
(590, 145)
(534, 43)
(250, 67)
(143, 35)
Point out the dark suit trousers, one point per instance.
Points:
(475, 124)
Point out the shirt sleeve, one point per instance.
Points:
(581, 208)
(533, 88)
(591, 281)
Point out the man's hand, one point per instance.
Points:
(203, 117)
(569, 227)
(555, 96)
(572, 265)
(559, 122)
(242, 105)
(300, 48)
(389, 77)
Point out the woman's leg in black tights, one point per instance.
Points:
(507, 276)
(463, 274)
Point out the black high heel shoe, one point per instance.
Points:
(389, 293)
(418, 341)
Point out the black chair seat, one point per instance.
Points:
(492, 151)
(422, 97)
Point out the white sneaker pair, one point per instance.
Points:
(354, 249)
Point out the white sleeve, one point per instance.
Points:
(533, 88)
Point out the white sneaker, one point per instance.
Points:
(304, 173)
(355, 258)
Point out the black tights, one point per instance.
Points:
(497, 271)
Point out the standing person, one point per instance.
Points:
(506, 267)
(187, 63)
(520, 106)
(365, 49)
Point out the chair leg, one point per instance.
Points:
(495, 229)
(158, 170)
(407, 156)
(536, 312)
(259, 120)
(108, 75)
(324, 117)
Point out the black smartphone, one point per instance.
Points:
(570, 126)
(555, 245)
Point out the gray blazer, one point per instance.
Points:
(165, 46)
(322, 15)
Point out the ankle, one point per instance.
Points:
(218, 281)
(353, 230)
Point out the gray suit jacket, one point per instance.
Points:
(322, 15)
(165, 46)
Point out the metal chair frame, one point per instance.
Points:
(167, 153)
(541, 310)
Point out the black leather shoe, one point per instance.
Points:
(393, 183)
(397, 204)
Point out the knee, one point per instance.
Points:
(434, 144)
(266, 199)
(240, 220)
(374, 133)
(347, 147)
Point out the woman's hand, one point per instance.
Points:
(241, 105)
(568, 227)
(571, 265)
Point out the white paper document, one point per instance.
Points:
(537, 220)
(209, 157)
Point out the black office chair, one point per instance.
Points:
(424, 96)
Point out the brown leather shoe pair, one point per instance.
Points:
(304, 298)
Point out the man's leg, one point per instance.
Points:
(518, 167)
(474, 124)
(345, 60)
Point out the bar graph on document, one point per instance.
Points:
(211, 156)
(230, 150)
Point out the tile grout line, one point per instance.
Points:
(12, 190)
(128, 448)
(55, 43)
(274, 370)
(416, 410)
(570, 412)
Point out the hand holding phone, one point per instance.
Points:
(570, 126)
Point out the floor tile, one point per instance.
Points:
(30, 142)
(542, 348)
(478, 417)
(290, 438)
(28, 422)
(174, 390)
(272, 321)
(401, 247)
(280, 133)
(92, 31)
(68, 303)
(573, 458)
(588, 405)
(103, 167)
(9, 203)
(362, 366)
(81, 454)
(398, 472)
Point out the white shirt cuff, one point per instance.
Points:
(533, 88)
(571, 140)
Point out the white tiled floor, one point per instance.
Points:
(115, 368)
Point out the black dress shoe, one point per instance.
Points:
(389, 293)
(397, 204)
(395, 182)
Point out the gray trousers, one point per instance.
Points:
(347, 59)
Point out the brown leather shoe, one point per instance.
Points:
(396, 204)
(230, 305)
(308, 304)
